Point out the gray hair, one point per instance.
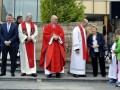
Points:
(28, 14)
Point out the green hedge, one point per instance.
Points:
(66, 10)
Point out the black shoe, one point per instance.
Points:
(23, 74)
(2, 74)
(103, 75)
(82, 76)
(12, 74)
(94, 75)
(58, 75)
(17, 66)
(49, 76)
(34, 75)
(75, 75)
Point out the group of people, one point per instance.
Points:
(20, 35)
(23, 35)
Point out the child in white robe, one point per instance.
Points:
(112, 74)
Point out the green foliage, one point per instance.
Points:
(66, 10)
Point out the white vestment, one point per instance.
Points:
(112, 67)
(23, 53)
(78, 64)
(118, 74)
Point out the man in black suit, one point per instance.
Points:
(19, 21)
(8, 36)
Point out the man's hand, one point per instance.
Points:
(54, 34)
(55, 37)
(77, 51)
(29, 38)
(7, 43)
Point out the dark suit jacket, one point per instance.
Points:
(101, 43)
(0, 39)
(11, 35)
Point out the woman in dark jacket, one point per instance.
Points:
(96, 44)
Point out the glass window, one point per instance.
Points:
(38, 10)
(21, 7)
(7, 7)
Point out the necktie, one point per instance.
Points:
(8, 27)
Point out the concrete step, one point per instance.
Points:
(88, 65)
(42, 78)
(39, 70)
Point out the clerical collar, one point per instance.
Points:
(28, 22)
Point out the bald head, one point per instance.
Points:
(84, 22)
(54, 19)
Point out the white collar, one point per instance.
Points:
(9, 23)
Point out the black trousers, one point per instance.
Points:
(13, 52)
(95, 64)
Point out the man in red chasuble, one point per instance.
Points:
(28, 34)
(52, 57)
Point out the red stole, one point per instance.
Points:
(29, 44)
(84, 45)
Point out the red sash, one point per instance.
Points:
(29, 45)
(84, 45)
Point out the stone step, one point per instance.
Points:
(88, 65)
(9, 62)
(42, 78)
(26, 89)
(88, 71)
(39, 70)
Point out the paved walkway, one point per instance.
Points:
(66, 82)
(26, 85)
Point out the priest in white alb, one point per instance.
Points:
(79, 54)
(28, 34)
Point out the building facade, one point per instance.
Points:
(95, 10)
(20, 7)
